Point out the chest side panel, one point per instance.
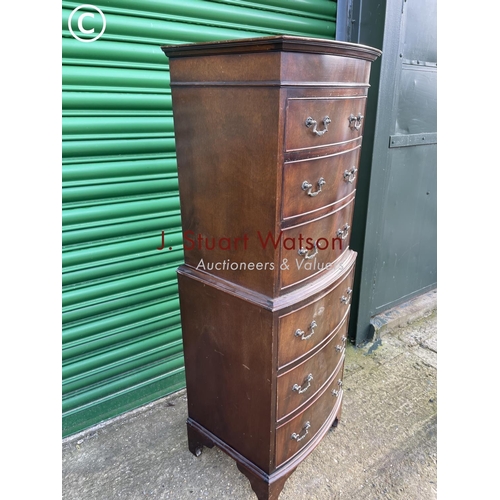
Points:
(227, 146)
(228, 349)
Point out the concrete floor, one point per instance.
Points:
(383, 448)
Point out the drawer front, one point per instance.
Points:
(302, 330)
(313, 247)
(300, 384)
(314, 122)
(295, 434)
(316, 183)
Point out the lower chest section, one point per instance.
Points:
(265, 381)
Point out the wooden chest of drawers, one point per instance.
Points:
(268, 136)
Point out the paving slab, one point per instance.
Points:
(383, 448)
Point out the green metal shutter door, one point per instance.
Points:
(122, 344)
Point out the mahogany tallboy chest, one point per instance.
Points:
(268, 136)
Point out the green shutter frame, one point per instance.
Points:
(122, 345)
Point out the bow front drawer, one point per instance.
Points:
(315, 122)
(311, 248)
(311, 184)
(300, 331)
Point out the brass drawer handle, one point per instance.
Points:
(300, 333)
(339, 347)
(310, 122)
(305, 253)
(299, 388)
(298, 437)
(344, 299)
(308, 186)
(355, 121)
(336, 392)
(343, 231)
(350, 175)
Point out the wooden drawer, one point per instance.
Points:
(314, 121)
(303, 329)
(292, 436)
(309, 185)
(300, 384)
(313, 247)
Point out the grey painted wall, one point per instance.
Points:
(394, 227)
